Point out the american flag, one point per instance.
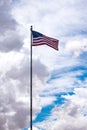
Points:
(40, 39)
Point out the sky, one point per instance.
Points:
(59, 77)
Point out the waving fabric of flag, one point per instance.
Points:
(40, 39)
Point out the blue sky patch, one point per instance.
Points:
(59, 73)
(46, 111)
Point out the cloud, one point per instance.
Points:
(77, 46)
(10, 38)
(14, 102)
(40, 70)
(14, 89)
(12, 112)
(39, 15)
(34, 128)
(7, 22)
(11, 42)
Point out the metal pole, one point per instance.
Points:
(31, 81)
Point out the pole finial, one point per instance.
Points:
(31, 27)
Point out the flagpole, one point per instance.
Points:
(31, 80)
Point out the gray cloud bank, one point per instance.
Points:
(10, 38)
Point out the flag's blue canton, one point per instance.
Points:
(36, 34)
